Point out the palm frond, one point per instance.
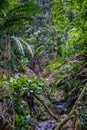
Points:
(7, 4)
(19, 15)
(18, 43)
(27, 46)
(21, 44)
(4, 4)
(15, 24)
(30, 8)
(25, 10)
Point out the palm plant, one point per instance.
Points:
(15, 15)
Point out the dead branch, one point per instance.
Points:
(46, 107)
(81, 73)
(73, 123)
(80, 98)
(70, 59)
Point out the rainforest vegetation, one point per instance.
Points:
(43, 64)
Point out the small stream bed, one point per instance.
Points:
(45, 125)
(49, 124)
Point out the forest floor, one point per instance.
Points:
(57, 104)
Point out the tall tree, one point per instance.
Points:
(14, 16)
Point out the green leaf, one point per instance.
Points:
(4, 76)
(17, 118)
(1, 81)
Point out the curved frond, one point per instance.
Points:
(19, 15)
(27, 8)
(27, 45)
(18, 43)
(21, 44)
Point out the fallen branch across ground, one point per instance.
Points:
(80, 98)
(46, 107)
(82, 73)
(69, 59)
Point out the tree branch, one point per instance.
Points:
(81, 73)
(80, 98)
(70, 59)
(46, 107)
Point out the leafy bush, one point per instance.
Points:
(20, 99)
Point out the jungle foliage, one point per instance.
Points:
(43, 64)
